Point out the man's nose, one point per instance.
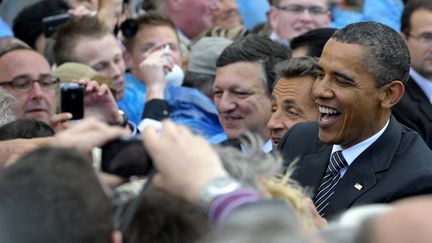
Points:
(36, 90)
(227, 103)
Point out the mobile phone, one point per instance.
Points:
(72, 99)
(126, 157)
(51, 23)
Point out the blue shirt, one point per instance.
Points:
(253, 12)
(188, 106)
(5, 30)
(387, 12)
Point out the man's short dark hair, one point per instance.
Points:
(386, 55)
(150, 18)
(313, 41)
(161, 218)
(70, 33)
(410, 7)
(25, 128)
(297, 67)
(27, 25)
(256, 49)
(53, 195)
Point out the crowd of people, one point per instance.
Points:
(291, 123)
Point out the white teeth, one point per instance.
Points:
(326, 110)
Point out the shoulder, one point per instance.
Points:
(301, 134)
(301, 139)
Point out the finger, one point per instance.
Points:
(91, 86)
(169, 129)
(150, 139)
(103, 89)
(60, 118)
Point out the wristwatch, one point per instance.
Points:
(124, 117)
(216, 187)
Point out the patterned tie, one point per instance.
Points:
(329, 181)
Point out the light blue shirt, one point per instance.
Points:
(253, 12)
(5, 30)
(387, 12)
(424, 83)
(351, 153)
(188, 106)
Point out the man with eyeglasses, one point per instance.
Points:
(26, 75)
(415, 108)
(291, 18)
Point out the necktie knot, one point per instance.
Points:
(337, 162)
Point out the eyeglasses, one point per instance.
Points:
(25, 83)
(424, 38)
(299, 9)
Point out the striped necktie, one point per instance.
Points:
(329, 181)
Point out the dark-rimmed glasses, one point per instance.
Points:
(25, 83)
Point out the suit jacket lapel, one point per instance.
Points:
(361, 174)
(419, 97)
(311, 168)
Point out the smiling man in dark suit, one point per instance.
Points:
(415, 108)
(357, 153)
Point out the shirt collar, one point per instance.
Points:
(351, 153)
(267, 147)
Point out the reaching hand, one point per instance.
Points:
(185, 162)
(87, 134)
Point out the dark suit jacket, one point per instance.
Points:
(414, 110)
(397, 165)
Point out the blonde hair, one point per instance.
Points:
(255, 166)
(283, 187)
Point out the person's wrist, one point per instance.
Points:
(215, 187)
(155, 92)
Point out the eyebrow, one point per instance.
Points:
(337, 73)
(289, 101)
(344, 76)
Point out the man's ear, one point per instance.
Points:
(272, 17)
(392, 93)
(116, 237)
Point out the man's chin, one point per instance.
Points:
(232, 134)
(38, 115)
